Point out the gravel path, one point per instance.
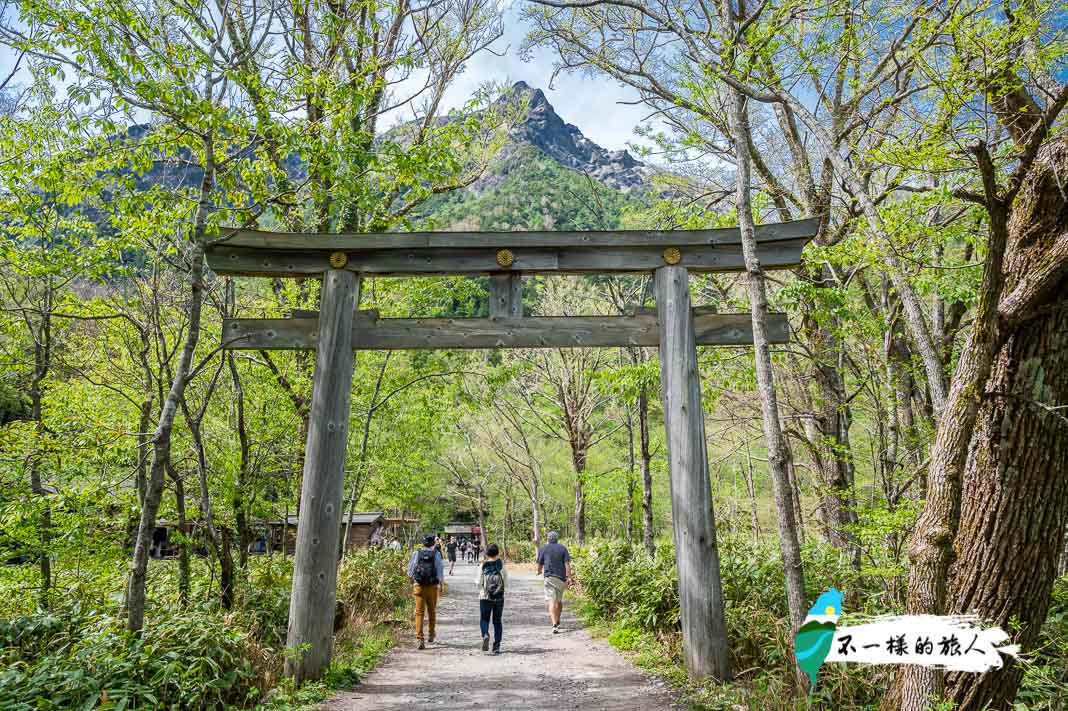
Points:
(570, 671)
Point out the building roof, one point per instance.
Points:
(357, 517)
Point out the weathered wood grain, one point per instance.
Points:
(260, 240)
(506, 296)
(369, 333)
(704, 632)
(311, 609)
(228, 260)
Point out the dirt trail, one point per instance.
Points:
(536, 669)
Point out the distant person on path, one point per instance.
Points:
(450, 547)
(492, 581)
(478, 549)
(426, 569)
(555, 561)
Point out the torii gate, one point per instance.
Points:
(339, 328)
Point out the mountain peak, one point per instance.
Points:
(544, 129)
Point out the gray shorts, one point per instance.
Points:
(554, 589)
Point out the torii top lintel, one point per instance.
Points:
(281, 254)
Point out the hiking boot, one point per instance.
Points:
(422, 645)
(556, 629)
(496, 651)
(430, 639)
(485, 643)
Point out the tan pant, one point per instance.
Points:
(426, 598)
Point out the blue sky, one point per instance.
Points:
(590, 103)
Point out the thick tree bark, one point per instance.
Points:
(931, 551)
(1015, 508)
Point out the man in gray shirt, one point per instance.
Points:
(555, 561)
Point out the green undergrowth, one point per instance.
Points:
(631, 599)
(353, 660)
(193, 654)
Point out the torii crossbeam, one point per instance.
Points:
(339, 328)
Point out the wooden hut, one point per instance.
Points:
(367, 529)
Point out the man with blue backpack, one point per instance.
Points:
(492, 579)
(426, 570)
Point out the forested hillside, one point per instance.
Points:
(906, 445)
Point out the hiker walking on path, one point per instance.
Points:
(492, 581)
(450, 547)
(555, 560)
(426, 569)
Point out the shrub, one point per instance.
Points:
(371, 583)
(190, 660)
(628, 585)
(521, 552)
(263, 602)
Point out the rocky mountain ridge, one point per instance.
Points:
(565, 143)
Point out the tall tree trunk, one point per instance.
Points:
(535, 516)
(238, 501)
(1015, 505)
(578, 462)
(42, 364)
(828, 429)
(145, 418)
(218, 536)
(161, 439)
(778, 453)
(482, 516)
(183, 546)
(44, 556)
(750, 487)
(361, 461)
(628, 530)
(645, 464)
(931, 551)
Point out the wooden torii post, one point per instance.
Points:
(339, 328)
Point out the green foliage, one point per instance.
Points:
(191, 660)
(527, 190)
(1045, 676)
(371, 583)
(634, 599)
(521, 552)
(263, 602)
(625, 584)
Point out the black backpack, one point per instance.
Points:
(426, 572)
(493, 582)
